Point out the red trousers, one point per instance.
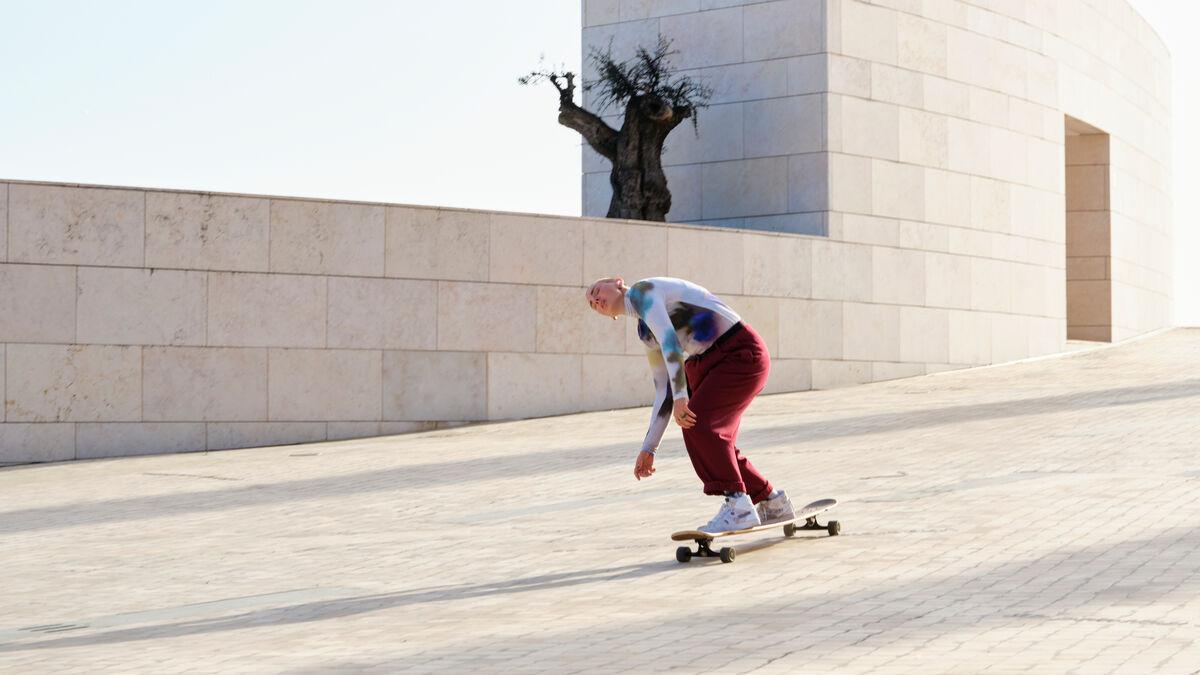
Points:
(721, 384)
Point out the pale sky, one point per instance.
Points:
(408, 101)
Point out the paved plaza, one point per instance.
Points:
(1040, 516)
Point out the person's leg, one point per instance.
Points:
(726, 383)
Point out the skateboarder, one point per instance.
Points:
(726, 366)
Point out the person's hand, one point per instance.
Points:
(683, 414)
(644, 466)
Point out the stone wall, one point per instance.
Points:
(141, 321)
(925, 126)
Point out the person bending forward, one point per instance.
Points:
(726, 366)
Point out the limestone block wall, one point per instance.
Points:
(935, 129)
(144, 321)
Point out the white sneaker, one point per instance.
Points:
(735, 514)
(776, 510)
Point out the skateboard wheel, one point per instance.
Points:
(727, 555)
(789, 530)
(683, 554)
(835, 528)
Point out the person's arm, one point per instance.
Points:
(660, 414)
(659, 323)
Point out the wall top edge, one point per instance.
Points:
(421, 207)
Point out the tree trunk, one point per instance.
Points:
(638, 182)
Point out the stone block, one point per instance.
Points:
(434, 386)
(37, 303)
(946, 97)
(808, 182)
(130, 439)
(72, 383)
(624, 39)
(988, 107)
(849, 177)
(838, 374)
(611, 382)
(849, 76)
(141, 306)
(969, 147)
(438, 244)
(898, 276)
(749, 187)
(777, 266)
(633, 10)
(1029, 290)
(1087, 188)
(1089, 303)
(343, 431)
(311, 237)
(760, 313)
(1010, 337)
(882, 371)
(207, 232)
(773, 30)
(182, 384)
(970, 340)
(710, 258)
(1089, 233)
(26, 443)
(783, 126)
(614, 248)
(1083, 149)
(991, 285)
(924, 335)
(841, 271)
(923, 138)
(920, 44)
(868, 32)
(812, 224)
(897, 190)
(711, 141)
(307, 385)
(260, 310)
(810, 329)
(924, 236)
(534, 250)
(597, 196)
(897, 85)
(704, 39)
(740, 82)
(990, 205)
(486, 317)
(804, 75)
(229, 435)
(533, 385)
(869, 230)
(870, 332)
(599, 12)
(947, 280)
(868, 128)
(789, 375)
(566, 324)
(76, 226)
(685, 185)
(1087, 268)
(382, 313)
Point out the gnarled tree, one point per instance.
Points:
(655, 100)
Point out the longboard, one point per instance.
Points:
(807, 515)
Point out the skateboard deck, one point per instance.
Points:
(806, 519)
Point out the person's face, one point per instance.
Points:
(605, 297)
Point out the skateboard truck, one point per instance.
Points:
(703, 550)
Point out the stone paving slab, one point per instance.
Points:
(1041, 516)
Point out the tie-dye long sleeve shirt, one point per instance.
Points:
(676, 319)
